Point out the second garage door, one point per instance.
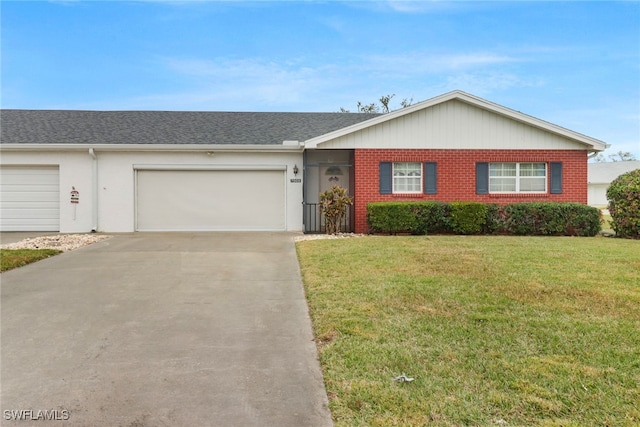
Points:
(203, 200)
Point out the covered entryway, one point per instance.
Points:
(29, 198)
(210, 200)
(322, 170)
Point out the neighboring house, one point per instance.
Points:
(600, 177)
(108, 171)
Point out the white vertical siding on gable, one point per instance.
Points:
(456, 125)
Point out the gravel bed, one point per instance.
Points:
(61, 242)
(69, 242)
(326, 236)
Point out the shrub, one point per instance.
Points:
(409, 217)
(624, 204)
(431, 217)
(333, 205)
(494, 223)
(518, 219)
(581, 220)
(468, 217)
(544, 219)
(391, 217)
(550, 219)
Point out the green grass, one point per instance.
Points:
(14, 258)
(495, 330)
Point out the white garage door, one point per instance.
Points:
(201, 200)
(29, 198)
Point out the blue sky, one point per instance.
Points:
(575, 64)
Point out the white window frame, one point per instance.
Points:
(411, 176)
(519, 178)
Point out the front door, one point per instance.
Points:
(331, 175)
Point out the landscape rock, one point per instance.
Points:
(61, 242)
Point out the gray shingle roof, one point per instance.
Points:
(167, 127)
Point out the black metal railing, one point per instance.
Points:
(314, 222)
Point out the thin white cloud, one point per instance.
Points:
(418, 63)
(411, 6)
(418, 6)
(485, 83)
(230, 83)
(233, 82)
(243, 68)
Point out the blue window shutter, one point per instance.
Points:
(430, 178)
(386, 185)
(556, 177)
(482, 178)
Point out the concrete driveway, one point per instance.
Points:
(162, 329)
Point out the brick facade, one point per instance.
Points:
(456, 176)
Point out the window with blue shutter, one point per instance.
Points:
(430, 178)
(386, 178)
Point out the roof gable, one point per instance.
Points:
(448, 131)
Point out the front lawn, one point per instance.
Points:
(495, 330)
(13, 258)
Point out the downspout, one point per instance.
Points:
(94, 196)
(304, 191)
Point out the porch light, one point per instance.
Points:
(295, 170)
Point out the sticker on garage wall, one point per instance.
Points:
(75, 196)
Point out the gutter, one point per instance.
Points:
(186, 148)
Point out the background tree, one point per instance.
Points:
(620, 156)
(384, 105)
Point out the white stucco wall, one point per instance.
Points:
(598, 195)
(75, 171)
(113, 208)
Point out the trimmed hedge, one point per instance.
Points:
(550, 219)
(468, 217)
(392, 217)
(409, 217)
(534, 219)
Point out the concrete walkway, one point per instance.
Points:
(162, 329)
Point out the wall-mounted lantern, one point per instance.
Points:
(295, 170)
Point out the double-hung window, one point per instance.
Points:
(517, 177)
(407, 177)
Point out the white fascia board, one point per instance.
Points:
(254, 148)
(591, 143)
